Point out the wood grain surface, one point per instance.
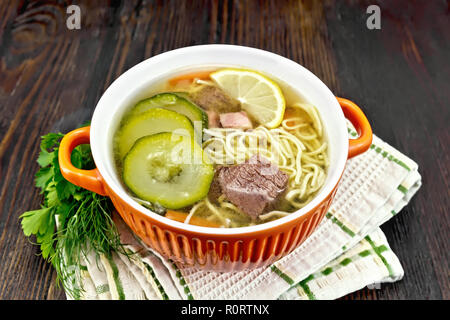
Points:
(51, 79)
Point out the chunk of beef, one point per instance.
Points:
(213, 119)
(254, 186)
(214, 189)
(235, 120)
(213, 98)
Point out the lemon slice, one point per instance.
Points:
(260, 97)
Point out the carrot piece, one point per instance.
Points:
(181, 216)
(203, 75)
(289, 113)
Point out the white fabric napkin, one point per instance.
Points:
(346, 252)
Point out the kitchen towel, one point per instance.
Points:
(346, 252)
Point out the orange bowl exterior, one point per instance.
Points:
(221, 252)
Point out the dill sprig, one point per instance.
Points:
(72, 221)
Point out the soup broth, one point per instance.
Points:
(222, 148)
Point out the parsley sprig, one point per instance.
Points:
(71, 221)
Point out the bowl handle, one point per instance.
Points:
(87, 179)
(353, 113)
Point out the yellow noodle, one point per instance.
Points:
(272, 214)
(296, 147)
(193, 210)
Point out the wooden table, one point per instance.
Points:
(51, 79)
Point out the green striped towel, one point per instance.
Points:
(347, 251)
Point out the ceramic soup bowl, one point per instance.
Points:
(214, 248)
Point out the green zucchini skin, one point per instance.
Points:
(174, 101)
(155, 170)
(149, 122)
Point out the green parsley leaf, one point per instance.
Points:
(50, 140)
(33, 221)
(84, 218)
(51, 197)
(42, 177)
(45, 158)
(65, 189)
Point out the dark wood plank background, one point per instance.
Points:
(51, 79)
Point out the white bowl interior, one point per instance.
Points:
(134, 85)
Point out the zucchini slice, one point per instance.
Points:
(174, 102)
(152, 121)
(168, 169)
